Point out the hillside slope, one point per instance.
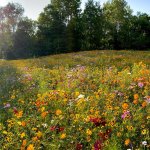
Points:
(88, 100)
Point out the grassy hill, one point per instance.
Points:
(85, 100)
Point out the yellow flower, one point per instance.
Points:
(34, 129)
(19, 114)
(23, 135)
(87, 119)
(42, 109)
(19, 123)
(38, 95)
(58, 112)
(127, 142)
(77, 94)
(65, 100)
(39, 134)
(13, 97)
(144, 131)
(97, 96)
(63, 136)
(130, 128)
(88, 138)
(88, 132)
(77, 116)
(5, 132)
(30, 147)
(119, 134)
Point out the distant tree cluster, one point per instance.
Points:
(64, 27)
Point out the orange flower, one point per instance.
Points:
(30, 147)
(44, 114)
(58, 112)
(127, 142)
(125, 106)
(136, 96)
(144, 104)
(22, 148)
(23, 123)
(135, 101)
(24, 142)
(35, 138)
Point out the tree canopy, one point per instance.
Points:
(64, 27)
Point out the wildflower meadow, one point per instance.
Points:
(92, 100)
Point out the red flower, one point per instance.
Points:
(79, 146)
(108, 131)
(98, 121)
(98, 145)
(57, 128)
(52, 128)
(15, 110)
(61, 129)
(103, 136)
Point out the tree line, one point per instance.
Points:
(64, 27)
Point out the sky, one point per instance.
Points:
(34, 7)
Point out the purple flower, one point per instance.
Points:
(140, 84)
(7, 105)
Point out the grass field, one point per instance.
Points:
(92, 100)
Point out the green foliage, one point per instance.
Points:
(117, 18)
(51, 31)
(140, 31)
(64, 27)
(16, 32)
(92, 25)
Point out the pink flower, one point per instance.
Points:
(7, 105)
(140, 84)
(124, 115)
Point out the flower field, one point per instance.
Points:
(93, 100)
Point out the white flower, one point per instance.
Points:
(81, 96)
(129, 149)
(52, 121)
(44, 125)
(144, 143)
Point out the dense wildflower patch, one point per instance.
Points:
(78, 107)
